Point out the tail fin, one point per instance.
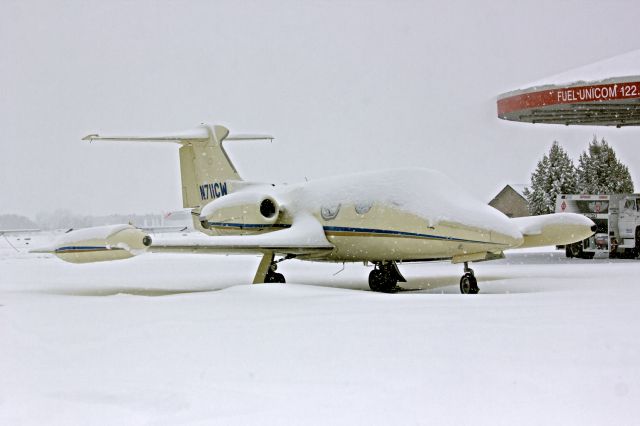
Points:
(205, 168)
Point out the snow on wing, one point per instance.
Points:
(305, 236)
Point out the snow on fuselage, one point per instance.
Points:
(404, 214)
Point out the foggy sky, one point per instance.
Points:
(343, 86)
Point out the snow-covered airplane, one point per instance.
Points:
(384, 218)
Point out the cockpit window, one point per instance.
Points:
(330, 212)
(363, 207)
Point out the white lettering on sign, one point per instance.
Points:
(598, 93)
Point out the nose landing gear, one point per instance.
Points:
(468, 282)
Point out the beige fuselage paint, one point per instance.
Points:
(384, 232)
(388, 233)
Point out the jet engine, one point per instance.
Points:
(241, 213)
(100, 243)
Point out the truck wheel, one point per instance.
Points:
(567, 251)
(574, 250)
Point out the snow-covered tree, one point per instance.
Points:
(555, 174)
(600, 172)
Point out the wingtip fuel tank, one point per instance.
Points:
(99, 244)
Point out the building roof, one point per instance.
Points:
(517, 187)
(605, 93)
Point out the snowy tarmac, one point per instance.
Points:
(182, 339)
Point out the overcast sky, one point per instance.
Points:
(344, 86)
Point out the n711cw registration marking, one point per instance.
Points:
(210, 191)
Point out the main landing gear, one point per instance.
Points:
(266, 272)
(273, 276)
(468, 282)
(384, 277)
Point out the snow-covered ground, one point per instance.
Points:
(174, 339)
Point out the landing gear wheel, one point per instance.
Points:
(382, 280)
(469, 284)
(274, 277)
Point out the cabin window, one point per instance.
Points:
(330, 212)
(630, 205)
(364, 207)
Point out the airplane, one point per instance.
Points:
(381, 218)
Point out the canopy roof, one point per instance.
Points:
(590, 95)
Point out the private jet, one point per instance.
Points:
(383, 218)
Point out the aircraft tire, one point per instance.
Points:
(380, 281)
(275, 277)
(469, 284)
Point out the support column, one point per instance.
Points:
(263, 267)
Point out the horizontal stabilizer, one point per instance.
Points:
(200, 134)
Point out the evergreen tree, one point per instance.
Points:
(600, 172)
(555, 174)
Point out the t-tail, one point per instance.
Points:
(206, 171)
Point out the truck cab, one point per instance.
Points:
(617, 217)
(629, 220)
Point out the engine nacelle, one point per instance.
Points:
(100, 243)
(241, 212)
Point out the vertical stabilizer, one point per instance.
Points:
(205, 168)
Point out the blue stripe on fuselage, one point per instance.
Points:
(84, 248)
(388, 232)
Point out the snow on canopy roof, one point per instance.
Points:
(627, 64)
(604, 93)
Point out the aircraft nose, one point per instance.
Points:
(594, 228)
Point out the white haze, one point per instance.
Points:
(344, 86)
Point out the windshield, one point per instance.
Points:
(593, 206)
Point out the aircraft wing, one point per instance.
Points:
(113, 242)
(305, 236)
